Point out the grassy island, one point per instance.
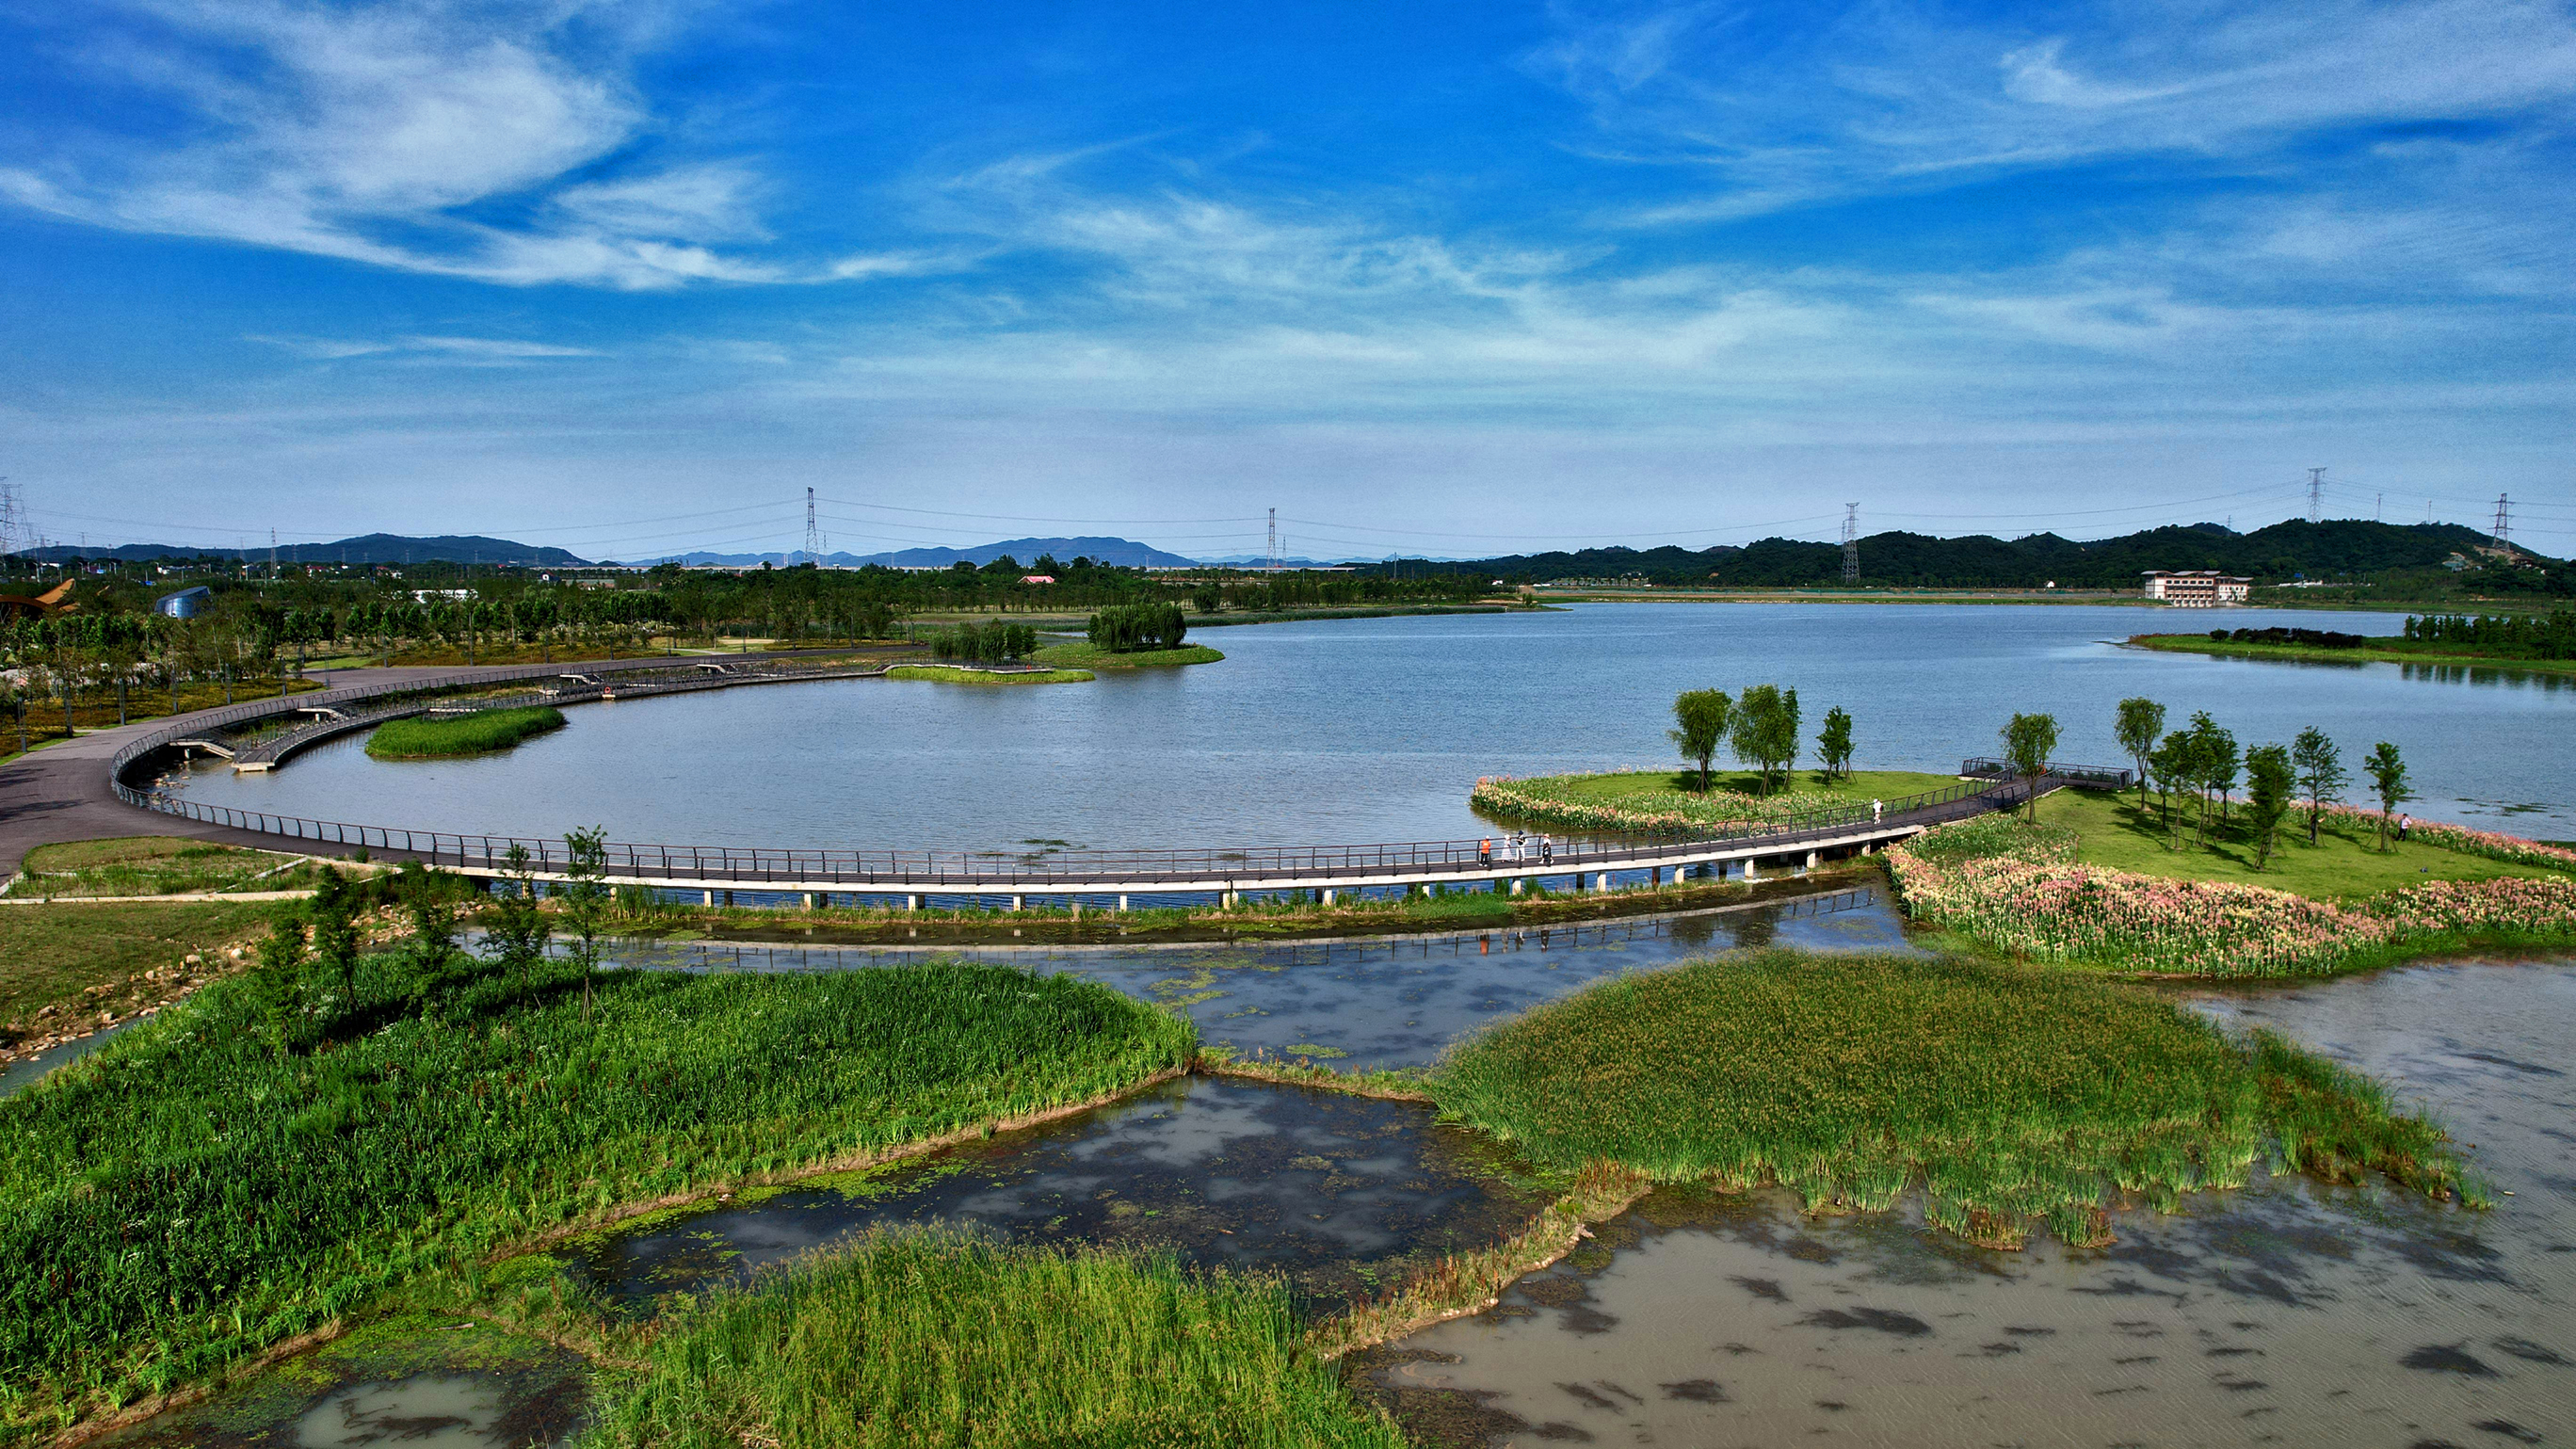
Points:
(1083, 654)
(950, 674)
(439, 737)
(2373, 649)
(2099, 883)
(2013, 1096)
(934, 1338)
(277, 1152)
(1669, 800)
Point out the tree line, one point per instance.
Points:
(1126, 628)
(2522, 636)
(1761, 727)
(2199, 766)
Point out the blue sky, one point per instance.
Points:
(1441, 278)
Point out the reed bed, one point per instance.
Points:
(2021, 891)
(928, 1338)
(427, 737)
(2013, 1097)
(269, 1156)
(1575, 802)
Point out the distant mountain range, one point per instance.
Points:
(2336, 548)
(369, 548)
(1119, 552)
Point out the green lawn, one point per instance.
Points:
(148, 865)
(1083, 654)
(83, 960)
(2345, 862)
(2011, 1094)
(947, 674)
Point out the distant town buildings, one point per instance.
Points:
(2197, 588)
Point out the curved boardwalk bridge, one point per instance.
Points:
(917, 878)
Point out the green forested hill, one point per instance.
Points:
(2337, 549)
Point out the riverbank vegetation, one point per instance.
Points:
(950, 674)
(1664, 801)
(1083, 654)
(918, 1338)
(440, 737)
(995, 642)
(2539, 643)
(294, 1141)
(2030, 892)
(2013, 1097)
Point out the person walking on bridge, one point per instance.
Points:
(1485, 851)
(1877, 811)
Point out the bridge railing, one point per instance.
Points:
(2082, 777)
(996, 868)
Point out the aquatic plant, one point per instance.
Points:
(1564, 801)
(2028, 897)
(934, 1338)
(188, 1195)
(428, 737)
(2012, 1096)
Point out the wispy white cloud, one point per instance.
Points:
(398, 135)
(467, 349)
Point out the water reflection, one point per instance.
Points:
(2289, 1311)
(1340, 1194)
(444, 1385)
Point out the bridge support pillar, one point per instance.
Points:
(912, 902)
(1019, 902)
(1601, 882)
(1749, 874)
(809, 900)
(1516, 886)
(1328, 895)
(1814, 857)
(708, 896)
(1122, 905)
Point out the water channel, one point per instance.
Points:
(1365, 730)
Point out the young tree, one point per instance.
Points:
(2269, 782)
(517, 933)
(2388, 781)
(1765, 730)
(1834, 743)
(335, 931)
(2214, 766)
(585, 896)
(274, 986)
(2173, 768)
(2029, 739)
(2321, 773)
(2142, 722)
(1701, 716)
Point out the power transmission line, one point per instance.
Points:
(2504, 523)
(2316, 495)
(813, 533)
(1272, 553)
(1851, 544)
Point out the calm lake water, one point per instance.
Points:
(1375, 729)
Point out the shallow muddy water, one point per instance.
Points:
(2286, 1313)
(1338, 1194)
(437, 1386)
(1364, 1004)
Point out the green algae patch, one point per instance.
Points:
(2014, 1097)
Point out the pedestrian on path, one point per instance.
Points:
(1877, 811)
(1485, 851)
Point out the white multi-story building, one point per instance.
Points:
(2197, 588)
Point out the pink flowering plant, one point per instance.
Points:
(1561, 800)
(2031, 898)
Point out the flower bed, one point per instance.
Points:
(1556, 800)
(2035, 903)
(2467, 841)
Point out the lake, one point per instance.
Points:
(1361, 730)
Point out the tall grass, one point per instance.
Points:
(268, 1156)
(425, 737)
(2012, 1096)
(918, 1338)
